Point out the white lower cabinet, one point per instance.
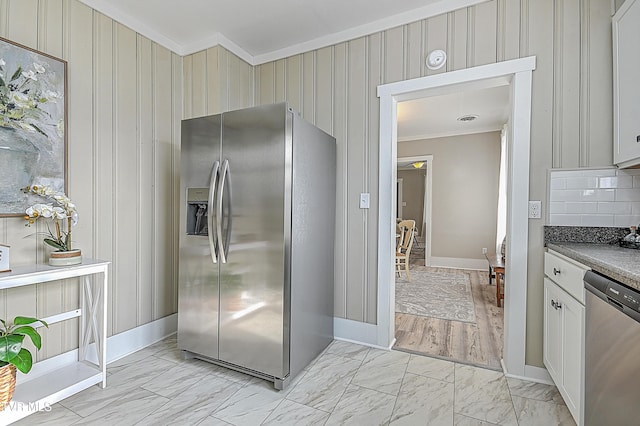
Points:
(563, 343)
(563, 335)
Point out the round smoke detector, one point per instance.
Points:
(436, 59)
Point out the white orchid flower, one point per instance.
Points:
(30, 75)
(39, 68)
(2, 62)
(47, 211)
(74, 218)
(59, 213)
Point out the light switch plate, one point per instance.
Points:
(535, 209)
(364, 200)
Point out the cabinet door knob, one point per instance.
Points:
(556, 305)
(556, 271)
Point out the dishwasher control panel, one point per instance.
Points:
(615, 292)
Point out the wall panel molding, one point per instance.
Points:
(113, 149)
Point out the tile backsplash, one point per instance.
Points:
(594, 197)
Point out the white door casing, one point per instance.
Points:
(517, 74)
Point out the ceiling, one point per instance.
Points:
(436, 116)
(260, 31)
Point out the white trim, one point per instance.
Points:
(130, 341)
(107, 8)
(491, 75)
(118, 346)
(356, 331)
(218, 39)
(400, 195)
(531, 374)
(357, 342)
(459, 263)
(433, 9)
(488, 129)
(517, 73)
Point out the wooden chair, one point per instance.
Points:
(497, 267)
(403, 249)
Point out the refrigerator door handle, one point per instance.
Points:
(212, 192)
(223, 178)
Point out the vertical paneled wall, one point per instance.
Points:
(124, 107)
(127, 95)
(335, 88)
(216, 80)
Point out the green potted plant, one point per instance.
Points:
(12, 355)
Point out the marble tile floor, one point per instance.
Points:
(347, 384)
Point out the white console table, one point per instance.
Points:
(43, 387)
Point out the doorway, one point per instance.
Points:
(517, 74)
(426, 163)
(446, 308)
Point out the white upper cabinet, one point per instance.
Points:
(626, 84)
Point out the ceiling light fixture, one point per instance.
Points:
(418, 164)
(468, 117)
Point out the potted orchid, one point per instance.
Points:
(64, 215)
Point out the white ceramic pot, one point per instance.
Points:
(65, 258)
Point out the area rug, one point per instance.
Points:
(436, 294)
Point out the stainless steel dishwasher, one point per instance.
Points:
(612, 352)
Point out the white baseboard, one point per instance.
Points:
(118, 346)
(531, 374)
(130, 341)
(459, 263)
(361, 333)
(355, 331)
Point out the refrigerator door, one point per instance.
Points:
(256, 204)
(198, 288)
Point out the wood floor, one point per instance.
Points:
(477, 343)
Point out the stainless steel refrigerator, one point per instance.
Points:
(256, 241)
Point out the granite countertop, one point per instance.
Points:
(621, 264)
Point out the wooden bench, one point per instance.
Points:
(496, 266)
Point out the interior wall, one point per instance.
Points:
(335, 88)
(128, 123)
(124, 111)
(466, 172)
(413, 195)
(216, 80)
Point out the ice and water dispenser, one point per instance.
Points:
(197, 200)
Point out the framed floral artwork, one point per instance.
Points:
(33, 122)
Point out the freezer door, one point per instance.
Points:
(198, 285)
(255, 195)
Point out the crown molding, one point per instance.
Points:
(433, 9)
